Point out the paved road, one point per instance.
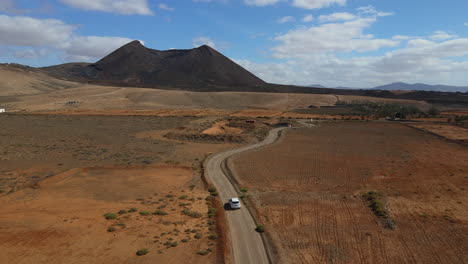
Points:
(246, 244)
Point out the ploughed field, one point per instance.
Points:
(308, 191)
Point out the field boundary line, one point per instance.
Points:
(456, 141)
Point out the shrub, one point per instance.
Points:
(121, 212)
(142, 252)
(110, 216)
(174, 244)
(132, 210)
(203, 253)
(111, 229)
(183, 197)
(160, 212)
(191, 213)
(212, 189)
(212, 236)
(211, 212)
(184, 240)
(260, 228)
(144, 213)
(214, 194)
(198, 236)
(243, 190)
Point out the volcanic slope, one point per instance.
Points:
(135, 65)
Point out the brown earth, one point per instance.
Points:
(445, 130)
(60, 173)
(307, 189)
(61, 220)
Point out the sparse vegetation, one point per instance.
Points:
(244, 190)
(110, 216)
(144, 213)
(111, 229)
(260, 228)
(212, 212)
(159, 212)
(212, 236)
(142, 252)
(191, 213)
(203, 253)
(121, 212)
(377, 205)
(132, 210)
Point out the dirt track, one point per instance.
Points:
(246, 244)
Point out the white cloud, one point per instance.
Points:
(27, 31)
(334, 37)
(466, 24)
(321, 54)
(343, 16)
(200, 41)
(442, 35)
(260, 2)
(126, 7)
(38, 35)
(285, 19)
(370, 10)
(31, 53)
(166, 7)
(429, 63)
(308, 18)
(315, 4)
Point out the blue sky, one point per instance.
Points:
(352, 43)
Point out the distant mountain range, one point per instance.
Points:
(401, 86)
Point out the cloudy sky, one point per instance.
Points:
(352, 43)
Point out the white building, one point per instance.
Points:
(2, 110)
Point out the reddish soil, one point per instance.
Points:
(307, 189)
(61, 220)
(445, 130)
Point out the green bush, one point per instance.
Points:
(142, 252)
(211, 189)
(110, 216)
(203, 253)
(111, 229)
(132, 210)
(121, 212)
(243, 190)
(198, 236)
(214, 194)
(260, 228)
(160, 212)
(144, 213)
(212, 236)
(183, 197)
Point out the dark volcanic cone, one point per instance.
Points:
(201, 68)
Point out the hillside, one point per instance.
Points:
(133, 64)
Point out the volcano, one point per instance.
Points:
(133, 64)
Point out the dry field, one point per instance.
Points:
(60, 174)
(308, 190)
(445, 130)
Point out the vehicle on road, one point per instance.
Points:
(234, 203)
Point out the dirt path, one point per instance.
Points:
(246, 244)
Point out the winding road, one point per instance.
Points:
(247, 246)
